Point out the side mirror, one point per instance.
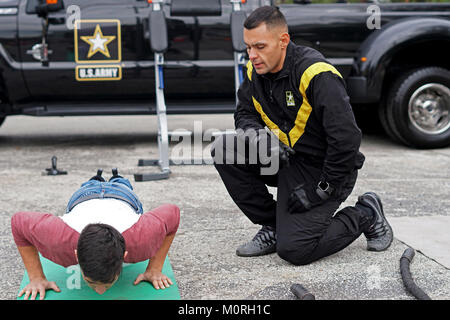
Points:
(43, 7)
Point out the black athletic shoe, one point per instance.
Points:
(379, 234)
(264, 242)
(115, 174)
(98, 176)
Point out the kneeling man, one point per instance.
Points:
(294, 92)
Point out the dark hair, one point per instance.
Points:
(270, 15)
(100, 252)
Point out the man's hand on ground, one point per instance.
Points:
(155, 277)
(38, 286)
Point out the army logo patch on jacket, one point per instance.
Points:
(290, 102)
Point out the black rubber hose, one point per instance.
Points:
(408, 281)
(301, 293)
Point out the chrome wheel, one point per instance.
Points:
(429, 108)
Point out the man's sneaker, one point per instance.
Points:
(98, 176)
(379, 234)
(264, 242)
(115, 174)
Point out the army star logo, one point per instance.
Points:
(98, 42)
(290, 102)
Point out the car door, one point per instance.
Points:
(199, 61)
(92, 51)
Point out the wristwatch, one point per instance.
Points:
(324, 190)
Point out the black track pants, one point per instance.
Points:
(302, 237)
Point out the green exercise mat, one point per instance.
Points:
(73, 287)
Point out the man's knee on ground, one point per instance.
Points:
(298, 254)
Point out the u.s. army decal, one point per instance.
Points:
(97, 42)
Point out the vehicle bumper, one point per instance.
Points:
(357, 89)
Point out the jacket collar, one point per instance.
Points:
(288, 60)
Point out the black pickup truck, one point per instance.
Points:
(93, 57)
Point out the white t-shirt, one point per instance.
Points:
(116, 213)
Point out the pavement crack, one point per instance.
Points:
(426, 256)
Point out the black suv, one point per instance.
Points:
(93, 57)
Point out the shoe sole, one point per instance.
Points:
(379, 208)
(261, 253)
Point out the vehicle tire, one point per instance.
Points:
(418, 108)
(382, 115)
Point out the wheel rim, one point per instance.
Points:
(429, 108)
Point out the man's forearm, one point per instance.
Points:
(30, 258)
(157, 261)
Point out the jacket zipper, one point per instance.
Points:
(271, 92)
(285, 128)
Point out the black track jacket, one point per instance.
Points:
(306, 105)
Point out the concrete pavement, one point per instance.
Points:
(413, 184)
